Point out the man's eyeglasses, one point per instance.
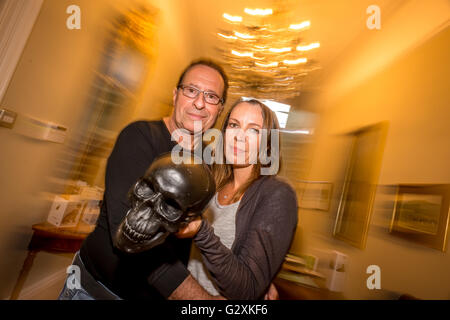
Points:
(192, 92)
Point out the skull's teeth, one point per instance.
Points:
(133, 235)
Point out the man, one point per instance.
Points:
(159, 273)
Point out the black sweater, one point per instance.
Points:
(150, 275)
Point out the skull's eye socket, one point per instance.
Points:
(171, 210)
(143, 190)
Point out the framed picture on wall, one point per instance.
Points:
(421, 214)
(315, 195)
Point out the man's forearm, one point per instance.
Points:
(189, 289)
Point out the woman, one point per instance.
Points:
(248, 227)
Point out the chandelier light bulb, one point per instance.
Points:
(308, 47)
(292, 62)
(303, 25)
(267, 65)
(232, 18)
(226, 37)
(243, 35)
(258, 12)
(242, 54)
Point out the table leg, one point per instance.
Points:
(23, 274)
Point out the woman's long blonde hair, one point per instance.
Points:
(223, 173)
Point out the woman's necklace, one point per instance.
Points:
(226, 193)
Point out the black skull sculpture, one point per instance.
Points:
(167, 198)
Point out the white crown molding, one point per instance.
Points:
(17, 18)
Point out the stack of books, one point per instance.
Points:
(300, 269)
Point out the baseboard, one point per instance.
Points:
(41, 286)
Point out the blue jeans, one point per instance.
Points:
(78, 292)
(74, 294)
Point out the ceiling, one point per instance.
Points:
(335, 24)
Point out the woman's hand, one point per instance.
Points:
(190, 230)
(272, 293)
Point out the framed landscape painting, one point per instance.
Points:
(421, 214)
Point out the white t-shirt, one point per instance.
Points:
(223, 220)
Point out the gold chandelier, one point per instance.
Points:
(264, 55)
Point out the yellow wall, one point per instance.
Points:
(175, 50)
(411, 93)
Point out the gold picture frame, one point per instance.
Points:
(421, 214)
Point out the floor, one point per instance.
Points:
(49, 293)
